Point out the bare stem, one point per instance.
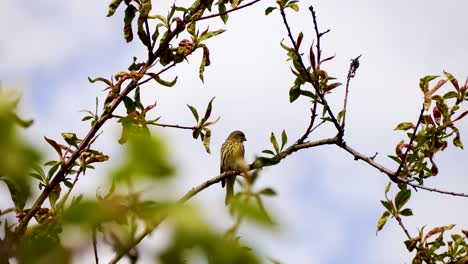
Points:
(400, 222)
(313, 114)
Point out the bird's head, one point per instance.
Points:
(237, 136)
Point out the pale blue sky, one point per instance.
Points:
(328, 203)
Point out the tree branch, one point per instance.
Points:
(309, 78)
(410, 144)
(64, 169)
(228, 11)
(400, 222)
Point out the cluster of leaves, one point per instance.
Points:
(202, 127)
(427, 246)
(436, 128)
(394, 208)
(275, 152)
(17, 157)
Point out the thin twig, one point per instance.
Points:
(96, 257)
(353, 66)
(6, 211)
(400, 222)
(313, 114)
(148, 33)
(175, 126)
(318, 35)
(403, 160)
(392, 175)
(228, 11)
(309, 78)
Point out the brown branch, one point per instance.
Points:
(392, 175)
(96, 257)
(313, 114)
(228, 11)
(418, 186)
(175, 126)
(403, 160)
(6, 211)
(318, 35)
(400, 222)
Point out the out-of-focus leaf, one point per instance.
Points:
(71, 139)
(146, 157)
(382, 220)
(268, 192)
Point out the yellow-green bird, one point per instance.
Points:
(232, 158)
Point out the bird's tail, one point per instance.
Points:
(229, 189)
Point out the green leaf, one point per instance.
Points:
(387, 188)
(161, 81)
(55, 145)
(208, 111)
(269, 10)
(450, 94)
(210, 34)
(387, 205)
(130, 12)
(294, 93)
(452, 80)
(267, 151)
(146, 157)
(284, 139)
(404, 126)
(402, 198)
(206, 140)
(264, 161)
(382, 220)
(129, 104)
(274, 142)
(293, 6)
(71, 139)
(406, 212)
(268, 192)
(194, 112)
(411, 244)
(113, 6)
(424, 82)
(221, 9)
(205, 61)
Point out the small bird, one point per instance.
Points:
(232, 158)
